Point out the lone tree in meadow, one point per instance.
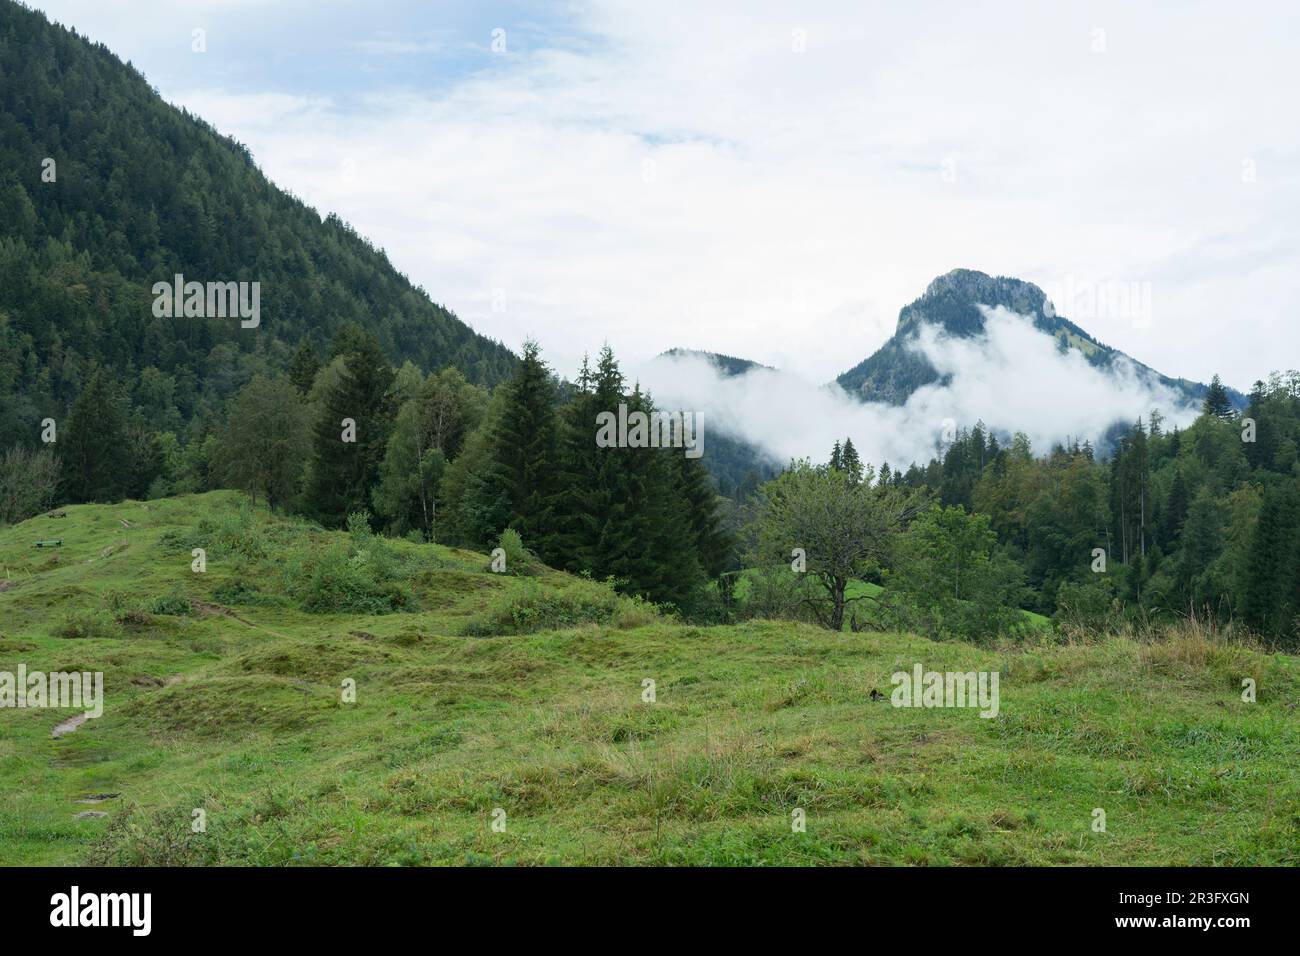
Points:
(845, 529)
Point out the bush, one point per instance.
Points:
(536, 608)
(777, 593)
(1085, 607)
(519, 560)
(363, 576)
(29, 482)
(334, 582)
(235, 533)
(88, 624)
(175, 602)
(243, 591)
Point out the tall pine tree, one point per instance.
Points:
(93, 445)
(524, 454)
(351, 432)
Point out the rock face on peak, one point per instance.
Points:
(953, 298)
(952, 303)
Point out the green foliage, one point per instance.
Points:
(263, 447)
(1085, 606)
(29, 483)
(951, 582)
(304, 367)
(523, 465)
(1217, 403)
(235, 532)
(174, 602)
(436, 417)
(363, 576)
(518, 559)
(845, 529)
(473, 511)
(88, 624)
(641, 516)
(93, 447)
(538, 607)
(352, 429)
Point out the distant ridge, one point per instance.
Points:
(729, 365)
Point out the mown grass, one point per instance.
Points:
(483, 692)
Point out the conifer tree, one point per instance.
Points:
(92, 445)
(711, 542)
(303, 367)
(1273, 562)
(580, 497)
(852, 463)
(1216, 401)
(351, 433)
(1260, 452)
(1175, 511)
(524, 456)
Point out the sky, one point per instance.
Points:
(775, 180)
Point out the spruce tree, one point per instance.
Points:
(303, 368)
(92, 445)
(1273, 562)
(1216, 401)
(1260, 452)
(852, 463)
(711, 542)
(524, 457)
(579, 496)
(351, 433)
(1175, 511)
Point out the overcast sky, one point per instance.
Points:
(775, 180)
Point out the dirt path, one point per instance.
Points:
(210, 609)
(68, 726)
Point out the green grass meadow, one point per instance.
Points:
(477, 693)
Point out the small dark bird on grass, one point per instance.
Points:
(876, 695)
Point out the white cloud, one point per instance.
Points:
(794, 201)
(1012, 378)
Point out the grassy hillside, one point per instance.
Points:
(223, 694)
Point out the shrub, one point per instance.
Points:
(29, 483)
(175, 602)
(519, 560)
(362, 576)
(1084, 608)
(333, 581)
(88, 624)
(235, 533)
(536, 608)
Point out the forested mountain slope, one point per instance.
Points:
(106, 189)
